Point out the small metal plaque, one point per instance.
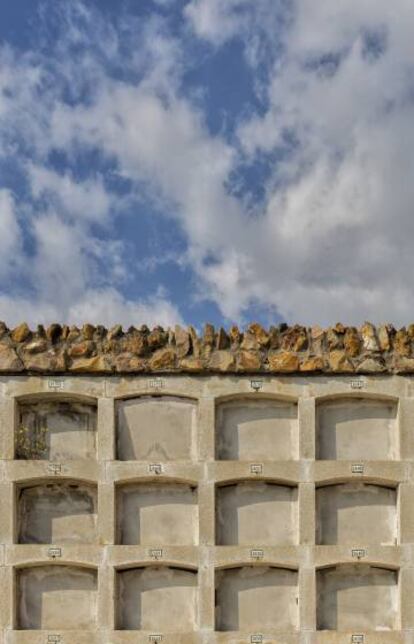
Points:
(155, 554)
(357, 639)
(358, 553)
(256, 554)
(54, 552)
(155, 468)
(54, 639)
(357, 384)
(55, 468)
(256, 385)
(55, 385)
(357, 468)
(156, 383)
(256, 468)
(256, 639)
(155, 638)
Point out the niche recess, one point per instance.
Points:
(349, 513)
(157, 598)
(254, 512)
(257, 430)
(157, 514)
(355, 429)
(63, 512)
(56, 597)
(256, 598)
(56, 430)
(357, 597)
(159, 428)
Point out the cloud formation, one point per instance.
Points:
(332, 235)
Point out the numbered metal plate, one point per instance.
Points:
(256, 554)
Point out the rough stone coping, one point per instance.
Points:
(280, 349)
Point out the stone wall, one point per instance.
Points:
(281, 349)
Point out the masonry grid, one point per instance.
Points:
(227, 530)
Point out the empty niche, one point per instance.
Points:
(256, 512)
(350, 513)
(259, 429)
(57, 513)
(157, 598)
(354, 429)
(357, 597)
(157, 514)
(156, 428)
(256, 598)
(56, 431)
(56, 597)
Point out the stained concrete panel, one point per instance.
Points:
(57, 513)
(256, 598)
(157, 598)
(360, 598)
(256, 512)
(56, 431)
(156, 428)
(159, 514)
(256, 430)
(56, 597)
(355, 429)
(347, 513)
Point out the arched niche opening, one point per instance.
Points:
(251, 598)
(356, 512)
(164, 513)
(55, 430)
(357, 429)
(157, 598)
(357, 597)
(264, 429)
(57, 512)
(251, 512)
(160, 428)
(56, 597)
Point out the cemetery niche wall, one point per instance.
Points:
(231, 487)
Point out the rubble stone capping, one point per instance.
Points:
(196, 506)
(283, 349)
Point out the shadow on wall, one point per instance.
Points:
(159, 428)
(250, 430)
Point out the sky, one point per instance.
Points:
(189, 161)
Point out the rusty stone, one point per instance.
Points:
(88, 331)
(384, 338)
(127, 363)
(369, 337)
(163, 359)
(402, 343)
(9, 360)
(334, 340)
(223, 340)
(248, 361)
(312, 363)
(50, 362)
(54, 332)
(285, 362)
(222, 361)
(339, 362)
(98, 364)
(191, 364)
(21, 333)
(371, 365)
(135, 343)
(37, 346)
(260, 334)
(274, 339)
(209, 335)
(182, 342)
(352, 342)
(249, 342)
(82, 350)
(404, 365)
(73, 334)
(156, 339)
(235, 335)
(115, 332)
(295, 339)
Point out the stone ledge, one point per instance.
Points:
(280, 349)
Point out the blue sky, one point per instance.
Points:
(184, 161)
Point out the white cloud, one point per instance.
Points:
(10, 234)
(334, 236)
